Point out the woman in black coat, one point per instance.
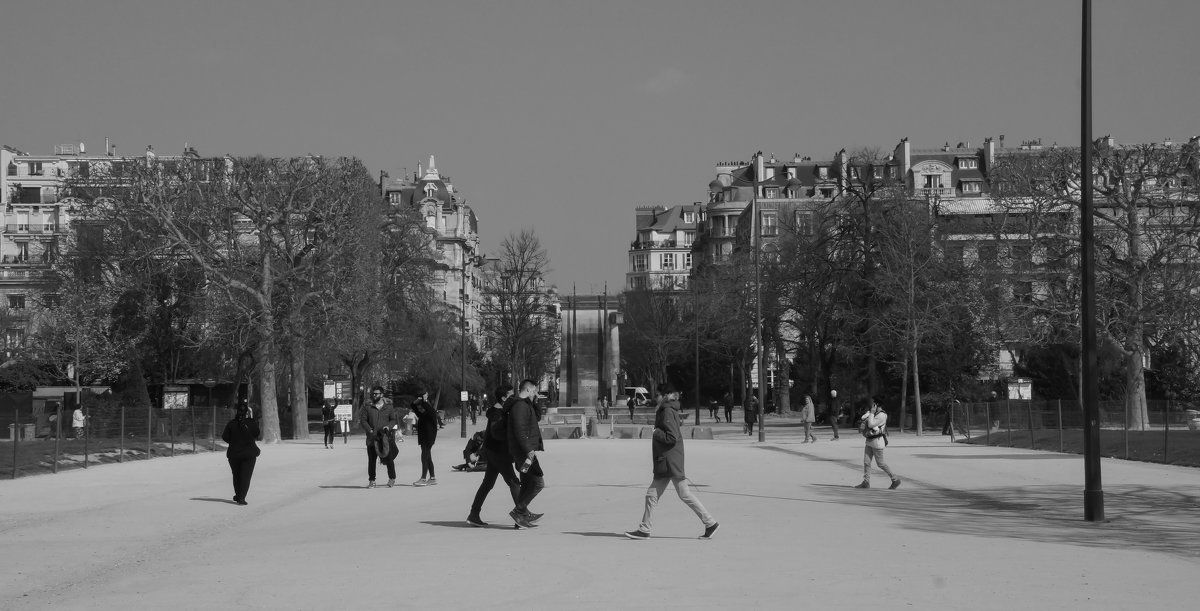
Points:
(427, 428)
(241, 433)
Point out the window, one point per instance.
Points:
(689, 217)
(687, 261)
(968, 163)
(933, 181)
(30, 195)
(769, 226)
(637, 283)
(667, 260)
(14, 338)
(22, 252)
(826, 192)
(689, 237)
(52, 300)
(22, 221)
(35, 168)
(16, 302)
(803, 220)
(972, 187)
(12, 169)
(771, 192)
(639, 263)
(823, 172)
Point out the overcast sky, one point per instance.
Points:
(563, 115)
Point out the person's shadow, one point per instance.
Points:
(213, 500)
(600, 534)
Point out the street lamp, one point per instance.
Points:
(462, 349)
(755, 239)
(1093, 494)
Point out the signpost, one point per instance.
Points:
(343, 410)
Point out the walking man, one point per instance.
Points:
(667, 453)
(329, 421)
(835, 413)
(728, 399)
(524, 441)
(495, 451)
(873, 426)
(375, 417)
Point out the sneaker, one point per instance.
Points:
(476, 521)
(865, 484)
(371, 484)
(637, 534)
(391, 482)
(421, 482)
(242, 502)
(895, 484)
(532, 518)
(431, 481)
(519, 520)
(709, 531)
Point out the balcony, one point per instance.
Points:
(648, 245)
(30, 228)
(25, 260)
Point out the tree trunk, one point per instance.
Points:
(299, 393)
(1135, 387)
(268, 404)
(917, 391)
(784, 381)
(903, 393)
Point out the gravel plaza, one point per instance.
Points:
(971, 527)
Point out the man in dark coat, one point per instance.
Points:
(667, 453)
(376, 416)
(524, 441)
(495, 450)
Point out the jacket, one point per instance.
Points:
(373, 417)
(667, 446)
(494, 413)
(385, 444)
(808, 414)
(875, 429)
(328, 414)
(524, 434)
(427, 422)
(240, 434)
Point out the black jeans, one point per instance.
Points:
(372, 456)
(426, 461)
(531, 484)
(243, 470)
(497, 465)
(330, 428)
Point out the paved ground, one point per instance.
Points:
(971, 527)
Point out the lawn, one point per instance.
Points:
(1177, 447)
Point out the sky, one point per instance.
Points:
(564, 115)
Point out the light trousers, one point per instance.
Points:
(655, 492)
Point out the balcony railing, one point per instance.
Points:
(29, 227)
(640, 245)
(26, 259)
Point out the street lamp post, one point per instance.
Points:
(1093, 494)
(755, 240)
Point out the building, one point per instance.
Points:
(660, 256)
(453, 231)
(591, 350)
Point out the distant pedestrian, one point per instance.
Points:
(728, 399)
(873, 426)
(666, 452)
(409, 422)
(495, 451)
(807, 417)
(750, 415)
(835, 413)
(329, 422)
(712, 411)
(78, 422)
(524, 442)
(604, 407)
(242, 453)
(631, 404)
(428, 424)
(376, 416)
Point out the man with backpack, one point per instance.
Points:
(495, 452)
(378, 418)
(873, 426)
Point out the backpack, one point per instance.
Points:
(498, 428)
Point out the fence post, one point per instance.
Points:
(171, 424)
(987, 412)
(149, 430)
(1008, 420)
(1127, 401)
(1032, 444)
(1167, 432)
(16, 436)
(192, 410)
(87, 430)
(1060, 429)
(57, 433)
(213, 430)
(121, 443)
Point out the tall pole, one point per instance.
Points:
(1093, 494)
(462, 344)
(696, 324)
(79, 404)
(758, 335)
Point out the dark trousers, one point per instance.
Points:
(531, 484)
(243, 470)
(372, 456)
(426, 461)
(728, 413)
(497, 465)
(833, 423)
(330, 428)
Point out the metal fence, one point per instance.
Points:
(1168, 436)
(45, 440)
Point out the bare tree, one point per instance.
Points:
(516, 322)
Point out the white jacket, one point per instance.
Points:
(875, 424)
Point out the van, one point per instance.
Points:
(640, 395)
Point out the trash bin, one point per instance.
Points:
(12, 429)
(29, 431)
